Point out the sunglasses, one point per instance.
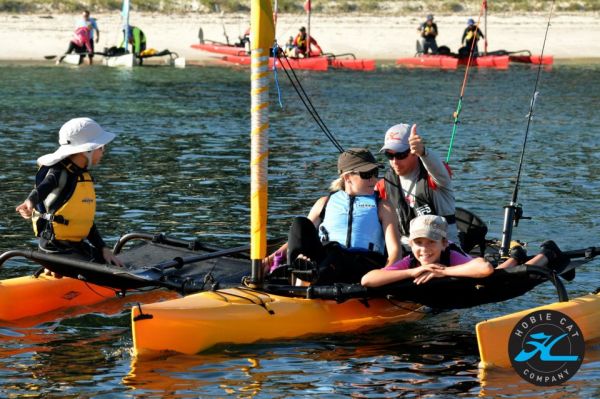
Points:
(397, 155)
(368, 175)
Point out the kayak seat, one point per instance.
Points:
(471, 230)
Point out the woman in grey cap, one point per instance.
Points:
(62, 205)
(348, 232)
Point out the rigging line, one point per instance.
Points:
(276, 49)
(531, 106)
(295, 81)
(456, 113)
(309, 105)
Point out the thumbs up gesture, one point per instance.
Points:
(416, 142)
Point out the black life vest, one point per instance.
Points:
(423, 194)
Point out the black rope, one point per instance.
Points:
(306, 101)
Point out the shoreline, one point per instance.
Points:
(29, 37)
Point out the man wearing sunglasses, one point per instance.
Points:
(417, 182)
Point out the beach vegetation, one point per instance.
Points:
(388, 7)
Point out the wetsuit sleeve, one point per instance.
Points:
(437, 170)
(95, 239)
(42, 190)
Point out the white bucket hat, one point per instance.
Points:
(75, 136)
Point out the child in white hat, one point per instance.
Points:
(62, 205)
(431, 257)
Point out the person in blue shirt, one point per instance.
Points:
(348, 232)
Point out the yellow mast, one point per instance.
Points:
(261, 39)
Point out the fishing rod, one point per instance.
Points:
(456, 113)
(513, 212)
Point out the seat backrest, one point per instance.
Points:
(471, 230)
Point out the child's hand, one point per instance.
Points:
(25, 209)
(425, 273)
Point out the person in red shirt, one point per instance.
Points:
(301, 43)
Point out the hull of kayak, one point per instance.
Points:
(488, 61)
(533, 59)
(72, 59)
(493, 334)
(450, 62)
(361, 64)
(30, 296)
(125, 61)
(429, 61)
(220, 48)
(238, 315)
(311, 64)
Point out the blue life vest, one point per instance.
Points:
(353, 221)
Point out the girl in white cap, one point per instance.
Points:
(431, 257)
(62, 205)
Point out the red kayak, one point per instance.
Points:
(311, 64)
(360, 64)
(238, 55)
(452, 62)
(430, 61)
(220, 48)
(488, 61)
(533, 59)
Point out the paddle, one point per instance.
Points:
(179, 262)
(51, 57)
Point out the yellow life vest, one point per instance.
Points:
(469, 35)
(75, 218)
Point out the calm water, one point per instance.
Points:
(180, 165)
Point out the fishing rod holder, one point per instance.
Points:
(513, 213)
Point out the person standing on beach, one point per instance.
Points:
(92, 26)
(429, 32)
(136, 38)
(417, 182)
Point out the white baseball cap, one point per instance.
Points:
(396, 138)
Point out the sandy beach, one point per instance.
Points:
(29, 37)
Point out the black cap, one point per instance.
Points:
(357, 160)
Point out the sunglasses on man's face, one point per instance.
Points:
(369, 174)
(397, 155)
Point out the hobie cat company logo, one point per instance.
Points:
(546, 347)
